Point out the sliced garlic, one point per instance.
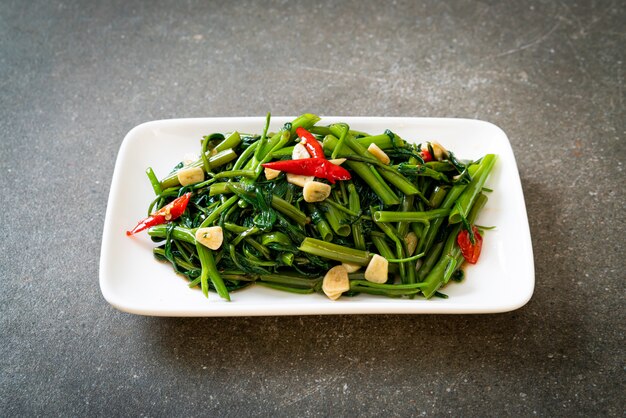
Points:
(270, 173)
(315, 191)
(298, 179)
(440, 153)
(378, 153)
(351, 268)
(334, 296)
(377, 269)
(338, 161)
(299, 152)
(336, 282)
(211, 237)
(411, 243)
(190, 175)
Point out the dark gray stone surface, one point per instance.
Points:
(75, 77)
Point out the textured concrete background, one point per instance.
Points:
(74, 78)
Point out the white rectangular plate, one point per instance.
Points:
(133, 281)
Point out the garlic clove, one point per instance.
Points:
(190, 175)
(377, 269)
(351, 268)
(336, 282)
(378, 153)
(211, 237)
(337, 161)
(299, 152)
(270, 173)
(315, 191)
(298, 179)
(411, 243)
(439, 151)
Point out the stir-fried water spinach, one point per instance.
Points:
(314, 208)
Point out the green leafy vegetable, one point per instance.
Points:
(275, 237)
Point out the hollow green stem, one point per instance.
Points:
(405, 206)
(291, 280)
(282, 152)
(430, 260)
(437, 196)
(386, 286)
(341, 208)
(383, 141)
(218, 211)
(209, 271)
(335, 252)
(178, 233)
(402, 183)
(263, 139)
(235, 173)
(354, 203)
(156, 185)
(286, 288)
(277, 203)
(433, 227)
(451, 257)
(203, 156)
(179, 261)
(407, 259)
(231, 142)
(245, 155)
(406, 269)
(217, 160)
(467, 199)
(427, 216)
(336, 219)
(356, 287)
(373, 180)
(317, 218)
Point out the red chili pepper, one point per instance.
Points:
(312, 145)
(167, 213)
(470, 251)
(426, 155)
(317, 167)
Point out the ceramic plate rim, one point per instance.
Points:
(133, 301)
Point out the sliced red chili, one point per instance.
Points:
(167, 213)
(426, 156)
(317, 167)
(470, 251)
(312, 145)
